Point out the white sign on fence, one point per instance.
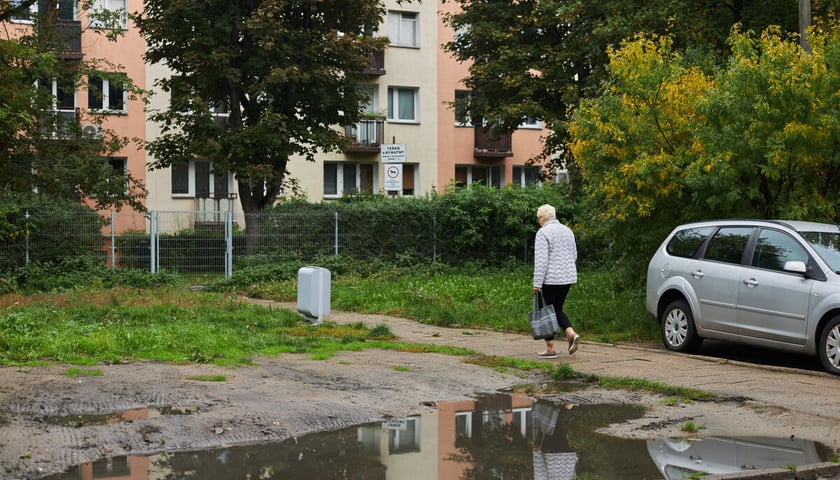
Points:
(393, 177)
(393, 153)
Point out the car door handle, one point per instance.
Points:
(750, 282)
(697, 274)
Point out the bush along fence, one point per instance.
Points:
(482, 225)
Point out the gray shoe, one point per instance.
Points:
(573, 344)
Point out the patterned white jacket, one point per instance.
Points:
(555, 254)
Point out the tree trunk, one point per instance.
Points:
(804, 24)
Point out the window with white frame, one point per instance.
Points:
(461, 97)
(346, 178)
(406, 439)
(25, 16)
(59, 122)
(108, 14)
(66, 10)
(490, 176)
(107, 94)
(198, 179)
(463, 424)
(403, 29)
(530, 122)
(403, 104)
(525, 175)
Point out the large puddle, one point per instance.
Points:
(500, 436)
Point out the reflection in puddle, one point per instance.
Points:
(126, 416)
(495, 437)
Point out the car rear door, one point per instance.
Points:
(715, 279)
(773, 304)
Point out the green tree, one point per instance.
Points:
(287, 71)
(42, 149)
(667, 143)
(538, 58)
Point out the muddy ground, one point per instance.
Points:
(46, 426)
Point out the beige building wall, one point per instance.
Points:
(409, 68)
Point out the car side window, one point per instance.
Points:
(728, 244)
(687, 243)
(774, 248)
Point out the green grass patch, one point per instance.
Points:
(624, 383)
(401, 368)
(79, 372)
(691, 427)
(208, 378)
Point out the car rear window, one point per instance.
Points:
(728, 244)
(686, 243)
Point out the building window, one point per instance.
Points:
(66, 10)
(526, 175)
(108, 14)
(407, 439)
(119, 168)
(530, 122)
(466, 175)
(106, 94)
(198, 179)
(25, 16)
(402, 29)
(348, 179)
(402, 104)
(462, 97)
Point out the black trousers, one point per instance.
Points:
(556, 295)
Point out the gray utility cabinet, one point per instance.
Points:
(313, 299)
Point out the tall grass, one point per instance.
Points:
(599, 307)
(173, 323)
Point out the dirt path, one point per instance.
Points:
(50, 421)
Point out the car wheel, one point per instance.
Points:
(678, 331)
(829, 347)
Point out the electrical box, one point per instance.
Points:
(313, 299)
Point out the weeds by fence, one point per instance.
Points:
(199, 243)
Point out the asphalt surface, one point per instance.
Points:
(806, 390)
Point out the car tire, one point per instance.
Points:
(677, 327)
(829, 347)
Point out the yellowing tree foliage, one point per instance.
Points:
(667, 143)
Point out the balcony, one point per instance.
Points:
(376, 65)
(366, 135)
(489, 145)
(60, 124)
(64, 39)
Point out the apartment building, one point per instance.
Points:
(408, 143)
(83, 37)
(412, 144)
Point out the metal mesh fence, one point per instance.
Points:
(199, 243)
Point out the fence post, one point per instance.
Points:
(153, 241)
(434, 236)
(113, 245)
(336, 234)
(228, 244)
(26, 223)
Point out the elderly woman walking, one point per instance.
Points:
(555, 254)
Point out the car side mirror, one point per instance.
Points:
(796, 266)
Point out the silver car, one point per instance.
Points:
(770, 283)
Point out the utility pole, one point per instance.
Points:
(804, 24)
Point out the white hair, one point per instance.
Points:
(546, 212)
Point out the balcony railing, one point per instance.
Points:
(367, 135)
(377, 64)
(488, 144)
(64, 38)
